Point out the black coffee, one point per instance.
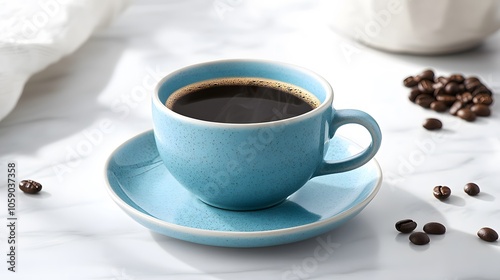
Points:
(241, 100)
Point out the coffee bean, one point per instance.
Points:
(441, 192)
(455, 93)
(482, 98)
(469, 80)
(426, 86)
(472, 85)
(466, 114)
(434, 228)
(481, 89)
(414, 93)
(424, 100)
(457, 78)
(488, 234)
(464, 97)
(419, 238)
(456, 107)
(461, 88)
(446, 99)
(481, 110)
(442, 80)
(30, 186)
(406, 226)
(427, 75)
(432, 124)
(439, 90)
(451, 88)
(471, 189)
(438, 106)
(410, 82)
(437, 85)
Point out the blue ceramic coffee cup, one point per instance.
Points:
(252, 165)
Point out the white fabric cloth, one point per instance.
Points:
(37, 33)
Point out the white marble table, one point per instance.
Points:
(75, 113)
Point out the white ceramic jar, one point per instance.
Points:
(417, 26)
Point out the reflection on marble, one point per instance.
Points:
(74, 114)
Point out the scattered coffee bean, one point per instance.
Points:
(432, 124)
(446, 99)
(427, 75)
(473, 85)
(439, 106)
(488, 234)
(466, 114)
(482, 98)
(441, 192)
(424, 100)
(419, 238)
(458, 78)
(472, 79)
(471, 189)
(481, 89)
(451, 88)
(439, 89)
(30, 186)
(426, 87)
(451, 93)
(406, 226)
(465, 97)
(414, 93)
(461, 88)
(437, 85)
(480, 110)
(434, 228)
(410, 82)
(456, 107)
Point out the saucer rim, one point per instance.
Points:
(238, 234)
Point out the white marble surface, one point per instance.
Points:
(75, 113)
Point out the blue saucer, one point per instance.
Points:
(142, 186)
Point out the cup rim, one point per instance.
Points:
(327, 102)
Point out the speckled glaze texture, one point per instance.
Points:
(144, 188)
(252, 166)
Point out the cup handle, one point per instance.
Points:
(348, 116)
